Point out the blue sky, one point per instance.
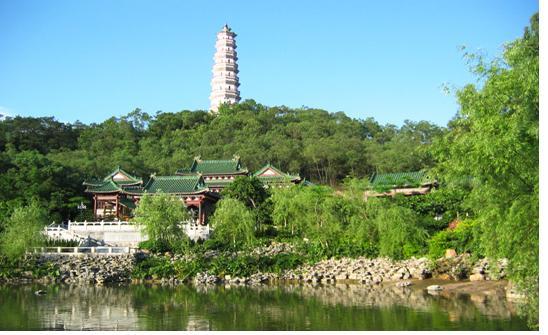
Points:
(90, 60)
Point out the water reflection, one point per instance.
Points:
(287, 307)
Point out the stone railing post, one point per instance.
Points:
(110, 250)
(58, 250)
(75, 250)
(92, 250)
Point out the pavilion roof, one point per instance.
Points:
(113, 182)
(271, 174)
(401, 179)
(175, 184)
(220, 166)
(188, 184)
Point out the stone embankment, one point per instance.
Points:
(82, 269)
(360, 270)
(99, 269)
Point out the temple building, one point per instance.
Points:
(274, 177)
(198, 187)
(405, 183)
(117, 195)
(225, 83)
(216, 173)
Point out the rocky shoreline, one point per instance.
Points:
(101, 269)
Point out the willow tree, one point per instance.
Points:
(494, 143)
(161, 216)
(23, 230)
(233, 223)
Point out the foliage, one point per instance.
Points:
(23, 230)
(49, 159)
(253, 193)
(466, 237)
(494, 140)
(50, 242)
(153, 267)
(156, 246)
(234, 223)
(436, 209)
(162, 215)
(399, 233)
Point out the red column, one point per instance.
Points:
(95, 207)
(117, 205)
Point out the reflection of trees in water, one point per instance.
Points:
(322, 307)
(66, 307)
(329, 307)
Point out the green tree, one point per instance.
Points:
(234, 223)
(162, 215)
(24, 230)
(399, 233)
(494, 140)
(253, 193)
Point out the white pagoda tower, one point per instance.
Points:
(225, 82)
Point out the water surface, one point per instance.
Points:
(286, 307)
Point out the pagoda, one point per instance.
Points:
(225, 82)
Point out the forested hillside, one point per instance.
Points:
(48, 159)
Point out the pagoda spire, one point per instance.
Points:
(225, 82)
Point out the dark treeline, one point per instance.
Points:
(47, 159)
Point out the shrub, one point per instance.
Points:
(399, 233)
(158, 246)
(23, 230)
(464, 238)
(153, 267)
(234, 223)
(161, 215)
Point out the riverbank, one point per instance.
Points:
(266, 265)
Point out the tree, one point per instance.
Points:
(233, 222)
(24, 230)
(399, 233)
(253, 193)
(162, 216)
(494, 142)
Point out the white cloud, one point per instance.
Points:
(5, 111)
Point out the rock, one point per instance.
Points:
(477, 277)
(404, 284)
(341, 276)
(40, 292)
(434, 288)
(450, 253)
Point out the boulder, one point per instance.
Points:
(434, 288)
(450, 253)
(477, 277)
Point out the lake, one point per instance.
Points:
(283, 307)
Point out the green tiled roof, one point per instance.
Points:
(128, 203)
(401, 179)
(218, 182)
(221, 166)
(108, 184)
(103, 187)
(168, 184)
(175, 184)
(132, 179)
(280, 177)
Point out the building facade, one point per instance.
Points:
(117, 195)
(225, 82)
(217, 174)
(405, 183)
(198, 186)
